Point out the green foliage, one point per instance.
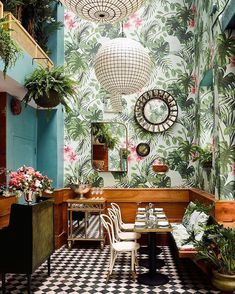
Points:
(217, 248)
(225, 48)
(37, 17)
(102, 132)
(9, 51)
(44, 80)
(203, 155)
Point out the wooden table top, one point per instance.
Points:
(155, 228)
(87, 200)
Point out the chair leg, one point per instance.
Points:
(133, 273)
(29, 283)
(3, 283)
(49, 266)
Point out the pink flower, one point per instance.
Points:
(67, 17)
(127, 25)
(72, 156)
(71, 24)
(194, 9)
(67, 149)
(232, 61)
(192, 23)
(233, 169)
(138, 22)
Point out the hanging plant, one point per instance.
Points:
(9, 51)
(49, 87)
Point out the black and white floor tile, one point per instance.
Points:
(84, 271)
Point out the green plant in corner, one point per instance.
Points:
(9, 51)
(49, 87)
(218, 250)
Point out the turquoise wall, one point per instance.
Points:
(36, 137)
(21, 137)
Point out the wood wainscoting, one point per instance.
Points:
(5, 209)
(173, 200)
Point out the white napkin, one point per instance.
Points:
(140, 224)
(161, 215)
(158, 209)
(163, 223)
(141, 208)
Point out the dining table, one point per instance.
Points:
(152, 223)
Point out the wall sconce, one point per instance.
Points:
(160, 167)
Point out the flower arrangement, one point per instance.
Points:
(27, 180)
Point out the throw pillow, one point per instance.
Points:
(189, 210)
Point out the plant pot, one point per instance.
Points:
(160, 168)
(223, 282)
(50, 102)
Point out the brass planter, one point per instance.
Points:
(223, 282)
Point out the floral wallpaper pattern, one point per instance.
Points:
(215, 52)
(168, 30)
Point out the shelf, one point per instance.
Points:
(26, 42)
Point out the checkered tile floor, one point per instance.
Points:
(84, 271)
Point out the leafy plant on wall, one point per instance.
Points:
(171, 49)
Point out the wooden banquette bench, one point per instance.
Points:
(173, 200)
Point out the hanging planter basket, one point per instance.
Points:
(48, 102)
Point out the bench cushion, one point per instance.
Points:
(180, 234)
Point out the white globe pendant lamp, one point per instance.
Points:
(122, 66)
(103, 10)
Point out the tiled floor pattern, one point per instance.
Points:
(84, 271)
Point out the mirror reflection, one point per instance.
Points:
(156, 111)
(109, 146)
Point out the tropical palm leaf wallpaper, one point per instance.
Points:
(215, 51)
(168, 29)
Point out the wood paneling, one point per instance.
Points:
(225, 211)
(5, 209)
(60, 215)
(174, 202)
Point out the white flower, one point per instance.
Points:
(38, 184)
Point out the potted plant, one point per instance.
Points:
(203, 155)
(102, 132)
(217, 247)
(9, 51)
(49, 87)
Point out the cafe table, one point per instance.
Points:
(152, 228)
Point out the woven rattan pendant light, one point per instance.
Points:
(122, 66)
(103, 10)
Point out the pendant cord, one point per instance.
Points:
(122, 30)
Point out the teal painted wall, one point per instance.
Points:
(35, 138)
(50, 145)
(21, 137)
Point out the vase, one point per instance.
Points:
(223, 282)
(28, 196)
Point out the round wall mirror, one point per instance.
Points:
(156, 111)
(143, 149)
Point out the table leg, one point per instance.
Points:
(152, 278)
